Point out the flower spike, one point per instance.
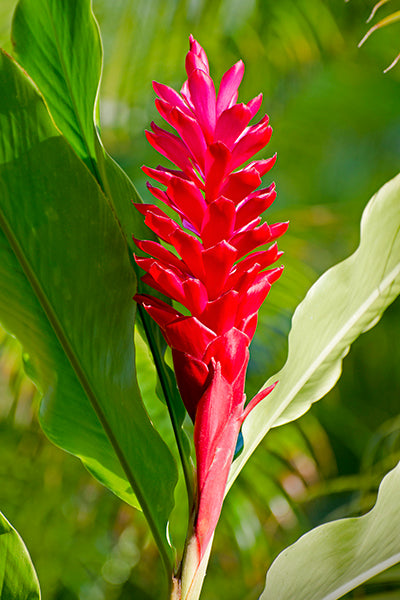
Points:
(218, 271)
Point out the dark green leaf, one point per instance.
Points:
(66, 66)
(66, 293)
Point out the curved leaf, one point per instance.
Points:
(346, 301)
(388, 20)
(66, 293)
(68, 39)
(376, 8)
(335, 558)
(66, 66)
(18, 579)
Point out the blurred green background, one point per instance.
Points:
(336, 120)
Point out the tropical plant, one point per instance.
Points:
(69, 232)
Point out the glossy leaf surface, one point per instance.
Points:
(66, 293)
(66, 65)
(337, 557)
(68, 38)
(346, 301)
(18, 580)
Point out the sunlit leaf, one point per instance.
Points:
(346, 301)
(66, 65)
(66, 293)
(392, 64)
(18, 580)
(337, 557)
(71, 38)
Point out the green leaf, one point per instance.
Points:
(66, 66)
(66, 287)
(336, 557)
(346, 301)
(69, 39)
(18, 579)
(72, 51)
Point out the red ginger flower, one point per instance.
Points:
(218, 276)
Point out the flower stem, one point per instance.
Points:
(169, 396)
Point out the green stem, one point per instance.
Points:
(170, 398)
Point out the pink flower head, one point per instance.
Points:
(220, 271)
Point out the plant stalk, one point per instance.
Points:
(160, 367)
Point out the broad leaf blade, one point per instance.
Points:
(69, 40)
(71, 51)
(66, 65)
(346, 301)
(18, 579)
(335, 558)
(66, 414)
(67, 286)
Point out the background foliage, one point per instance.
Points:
(337, 133)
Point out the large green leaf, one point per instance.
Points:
(66, 287)
(18, 580)
(337, 557)
(346, 301)
(66, 65)
(69, 40)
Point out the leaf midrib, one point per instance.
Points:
(80, 372)
(351, 584)
(389, 280)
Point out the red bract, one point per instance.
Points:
(216, 272)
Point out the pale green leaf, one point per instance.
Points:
(393, 18)
(331, 560)
(346, 301)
